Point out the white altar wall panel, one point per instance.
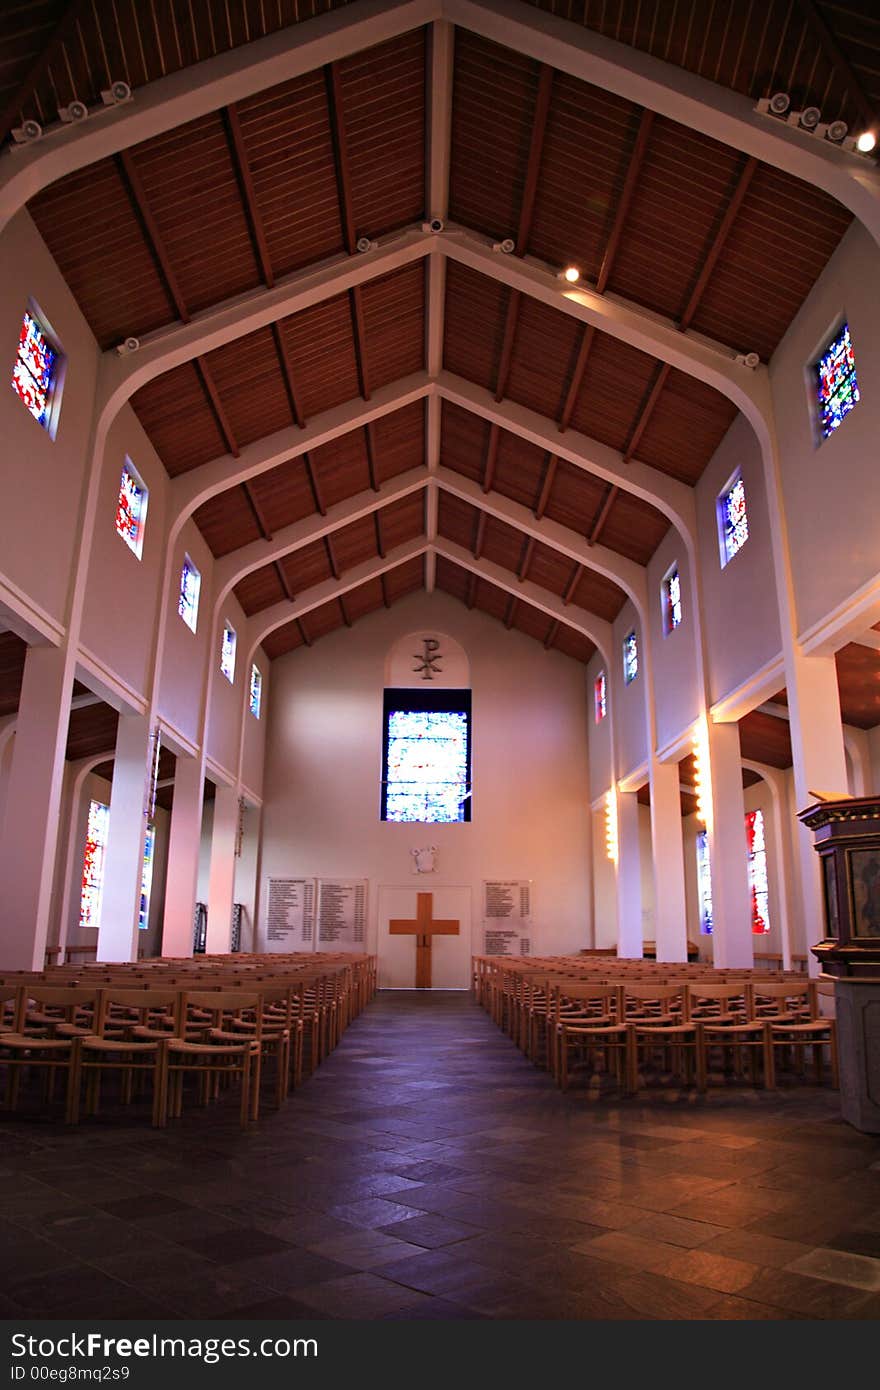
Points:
(450, 955)
(531, 796)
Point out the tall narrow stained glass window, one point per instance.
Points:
(147, 878)
(35, 372)
(426, 756)
(733, 519)
(188, 600)
(758, 884)
(704, 882)
(93, 864)
(600, 697)
(256, 692)
(227, 651)
(836, 383)
(671, 601)
(131, 509)
(630, 657)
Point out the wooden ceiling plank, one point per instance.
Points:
(150, 228)
(248, 194)
(491, 460)
(57, 39)
(536, 150)
(217, 406)
(603, 514)
(546, 487)
(526, 561)
(506, 357)
(646, 411)
(480, 536)
(838, 58)
(287, 372)
(710, 259)
(571, 586)
(314, 484)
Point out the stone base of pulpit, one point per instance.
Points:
(858, 1038)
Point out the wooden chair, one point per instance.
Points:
(797, 1024)
(132, 1029)
(589, 1026)
(723, 1018)
(48, 1020)
(659, 1019)
(203, 1012)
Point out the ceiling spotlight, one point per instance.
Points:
(364, 244)
(116, 93)
(810, 117)
(571, 274)
(129, 345)
(779, 103)
(749, 359)
(76, 111)
(508, 246)
(27, 131)
(866, 142)
(837, 131)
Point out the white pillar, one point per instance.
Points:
(629, 877)
(124, 864)
(222, 880)
(667, 847)
(246, 877)
(732, 941)
(184, 841)
(819, 757)
(33, 800)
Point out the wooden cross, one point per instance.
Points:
(423, 928)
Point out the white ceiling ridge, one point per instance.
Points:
(650, 82)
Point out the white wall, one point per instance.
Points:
(831, 488)
(599, 735)
(674, 653)
(227, 701)
(183, 662)
(740, 612)
(628, 701)
(531, 815)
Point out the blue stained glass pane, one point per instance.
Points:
(672, 605)
(130, 511)
(256, 692)
(630, 657)
(34, 370)
(227, 653)
(147, 878)
(735, 519)
(188, 601)
(836, 382)
(704, 882)
(92, 886)
(600, 695)
(427, 765)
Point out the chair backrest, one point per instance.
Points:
(135, 1006)
(655, 1001)
(220, 1003)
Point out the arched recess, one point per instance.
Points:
(775, 782)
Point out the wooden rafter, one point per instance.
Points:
(634, 168)
(371, 456)
(223, 421)
(504, 360)
(284, 581)
(838, 59)
(346, 616)
(710, 259)
(527, 556)
(302, 632)
(480, 537)
(384, 587)
(314, 484)
(287, 373)
(248, 194)
(551, 634)
(333, 85)
(471, 590)
(331, 556)
(536, 150)
(259, 515)
(491, 460)
(647, 410)
(546, 487)
(356, 301)
(150, 229)
(509, 616)
(380, 540)
(57, 39)
(570, 588)
(603, 513)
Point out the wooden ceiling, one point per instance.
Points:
(651, 211)
(391, 586)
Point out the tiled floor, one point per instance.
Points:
(427, 1170)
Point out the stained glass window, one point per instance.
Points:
(733, 519)
(188, 602)
(93, 864)
(758, 885)
(630, 657)
(131, 509)
(256, 692)
(35, 370)
(836, 383)
(427, 756)
(704, 882)
(600, 697)
(147, 878)
(671, 601)
(227, 652)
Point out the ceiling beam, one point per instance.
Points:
(217, 407)
(546, 487)
(440, 47)
(241, 165)
(505, 356)
(257, 511)
(230, 569)
(527, 556)
(302, 632)
(603, 513)
(552, 631)
(284, 581)
(343, 611)
(380, 540)
(370, 448)
(331, 556)
(711, 255)
(333, 87)
(134, 187)
(36, 72)
(533, 164)
(314, 484)
(480, 536)
(437, 164)
(491, 460)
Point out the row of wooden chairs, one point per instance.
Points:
(152, 1026)
(621, 1024)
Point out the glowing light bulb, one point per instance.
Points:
(866, 141)
(571, 274)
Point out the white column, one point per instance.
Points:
(819, 757)
(33, 799)
(667, 846)
(629, 877)
(246, 877)
(184, 841)
(123, 871)
(732, 942)
(222, 880)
